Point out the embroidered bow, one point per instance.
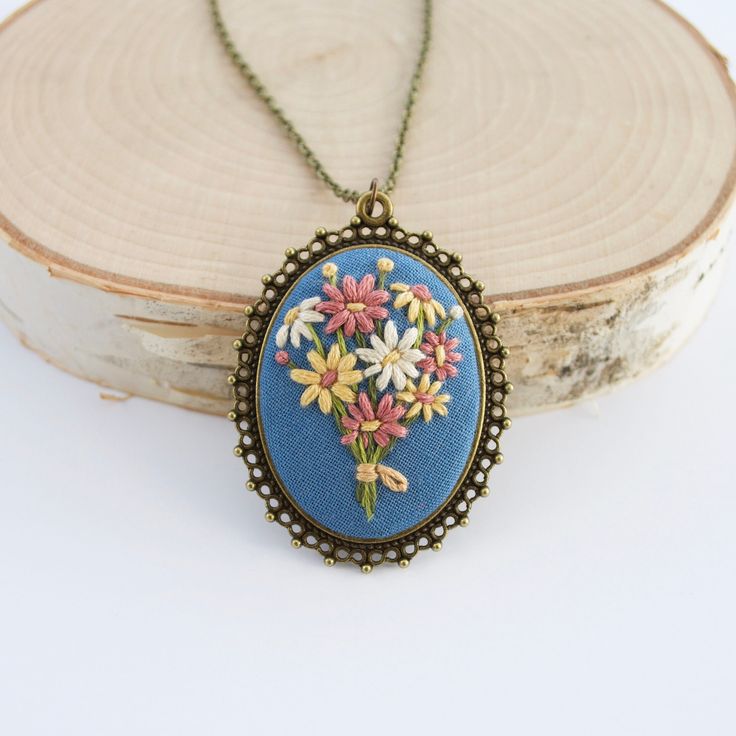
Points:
(392, 479)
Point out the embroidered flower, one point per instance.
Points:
(296, 321)
(440, 352)
(381, 424)
(394, 359)
(401, 381)
(424, 398)
(419, 298)
(385, 265)
(332, 376)
(356, 306)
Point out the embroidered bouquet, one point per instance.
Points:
(399, 379)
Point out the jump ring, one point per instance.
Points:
(374, 194)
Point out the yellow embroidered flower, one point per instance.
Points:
(332, 376)
(419, 298)
(424, 398)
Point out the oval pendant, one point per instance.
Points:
(370, 392)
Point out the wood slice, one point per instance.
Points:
(581, 155)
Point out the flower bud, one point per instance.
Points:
(329, 270)
(385, 265)
(282, 357)
(456, 311)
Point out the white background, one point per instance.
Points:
(141, 591)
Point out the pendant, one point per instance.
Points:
(370, 392)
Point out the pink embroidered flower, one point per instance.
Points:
(381, 424)
(282, 357)
(356, 306)
(440, 352)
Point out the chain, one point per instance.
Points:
(348, 195)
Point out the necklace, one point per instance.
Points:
(344, 193)
(370, 387)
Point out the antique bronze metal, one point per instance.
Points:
(384, 231)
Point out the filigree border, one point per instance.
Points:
(279, 506)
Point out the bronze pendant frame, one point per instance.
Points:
(366, 230)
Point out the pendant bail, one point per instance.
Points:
(366, 204)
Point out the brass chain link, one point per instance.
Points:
(348, 195)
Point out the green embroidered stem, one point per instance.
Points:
(366, 494)
(379, 328)
(372, 391)
(381, 287)
(388, 448)
(420, 329)
(355, 451)
(341, 342)
(317, 342)
(444, 325)
(338, 406)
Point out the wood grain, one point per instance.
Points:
(581, 155)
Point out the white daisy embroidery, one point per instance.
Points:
(394, 359)
(295, 322)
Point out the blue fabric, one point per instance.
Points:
(304, 444)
